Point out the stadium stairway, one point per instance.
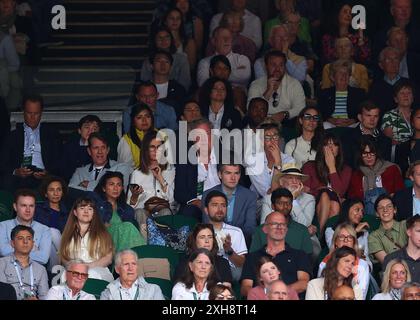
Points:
(101, 49)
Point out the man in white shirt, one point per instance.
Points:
(240, 64)
(284, 93)
(252, 23)
(76, 276)
(262, 165)
(230, 239)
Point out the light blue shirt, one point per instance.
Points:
(42, 240)
(404, 68)
(231, 206)
(392, 82)
(416, 204)
(297, 71)
(164, 115)
(32, 146)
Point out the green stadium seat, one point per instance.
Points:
(95, 287)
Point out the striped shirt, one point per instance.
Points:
(340, 105)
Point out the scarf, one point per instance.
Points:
(135, 150)
(370, 174)
(395, 294)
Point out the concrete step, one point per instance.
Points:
(102, 39)
(77, 73)
(63, 51)
(77, 61)
(109, 16)
(99, 5)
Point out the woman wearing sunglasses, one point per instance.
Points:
(310, 130)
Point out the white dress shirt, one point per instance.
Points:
(216, 118)
(259, 173)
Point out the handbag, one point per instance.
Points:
(162, 235)
(155, 204)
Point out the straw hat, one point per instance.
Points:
(292, 170)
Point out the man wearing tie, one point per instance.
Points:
(85, 178)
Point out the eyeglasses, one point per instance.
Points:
(76, 274)
(152, 147)
(277, 225)
(275, 101)
(310, 117)
(345, 238)
(223, 297)
(274, 137)
(366, 154)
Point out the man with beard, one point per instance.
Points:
(257, 112)
(230, 239)
(303, 206)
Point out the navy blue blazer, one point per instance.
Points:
(404, 202)
(244, 211)
(326, 102)
(12, 155)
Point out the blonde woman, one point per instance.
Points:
(395, 276)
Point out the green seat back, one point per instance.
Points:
(95, 287)
(176, 221)
(165, 286)
(6, 201)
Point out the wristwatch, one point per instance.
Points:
(229, 252)
(277, 167)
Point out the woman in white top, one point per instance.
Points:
(309, 129)
(338, 271)
(151, 179)
(86, 238)
(198, 279)
(396, 274)
(345, 235)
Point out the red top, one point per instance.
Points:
(339, 181)
(392, 181)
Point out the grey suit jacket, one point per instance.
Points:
(86, 174)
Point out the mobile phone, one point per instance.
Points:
(34, 169)
(134, 185)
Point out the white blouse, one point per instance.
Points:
(152, 187)
(300, 150)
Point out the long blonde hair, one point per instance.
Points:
(100, 241)
(386, 285)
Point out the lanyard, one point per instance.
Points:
(135, 296)
(65, 296)
(31, 275)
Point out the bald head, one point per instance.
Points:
(343, 293)
(277, 290)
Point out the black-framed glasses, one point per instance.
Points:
(275, 101)
(78, 274)
(277, 225)
(366, 154)
(310, 117)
